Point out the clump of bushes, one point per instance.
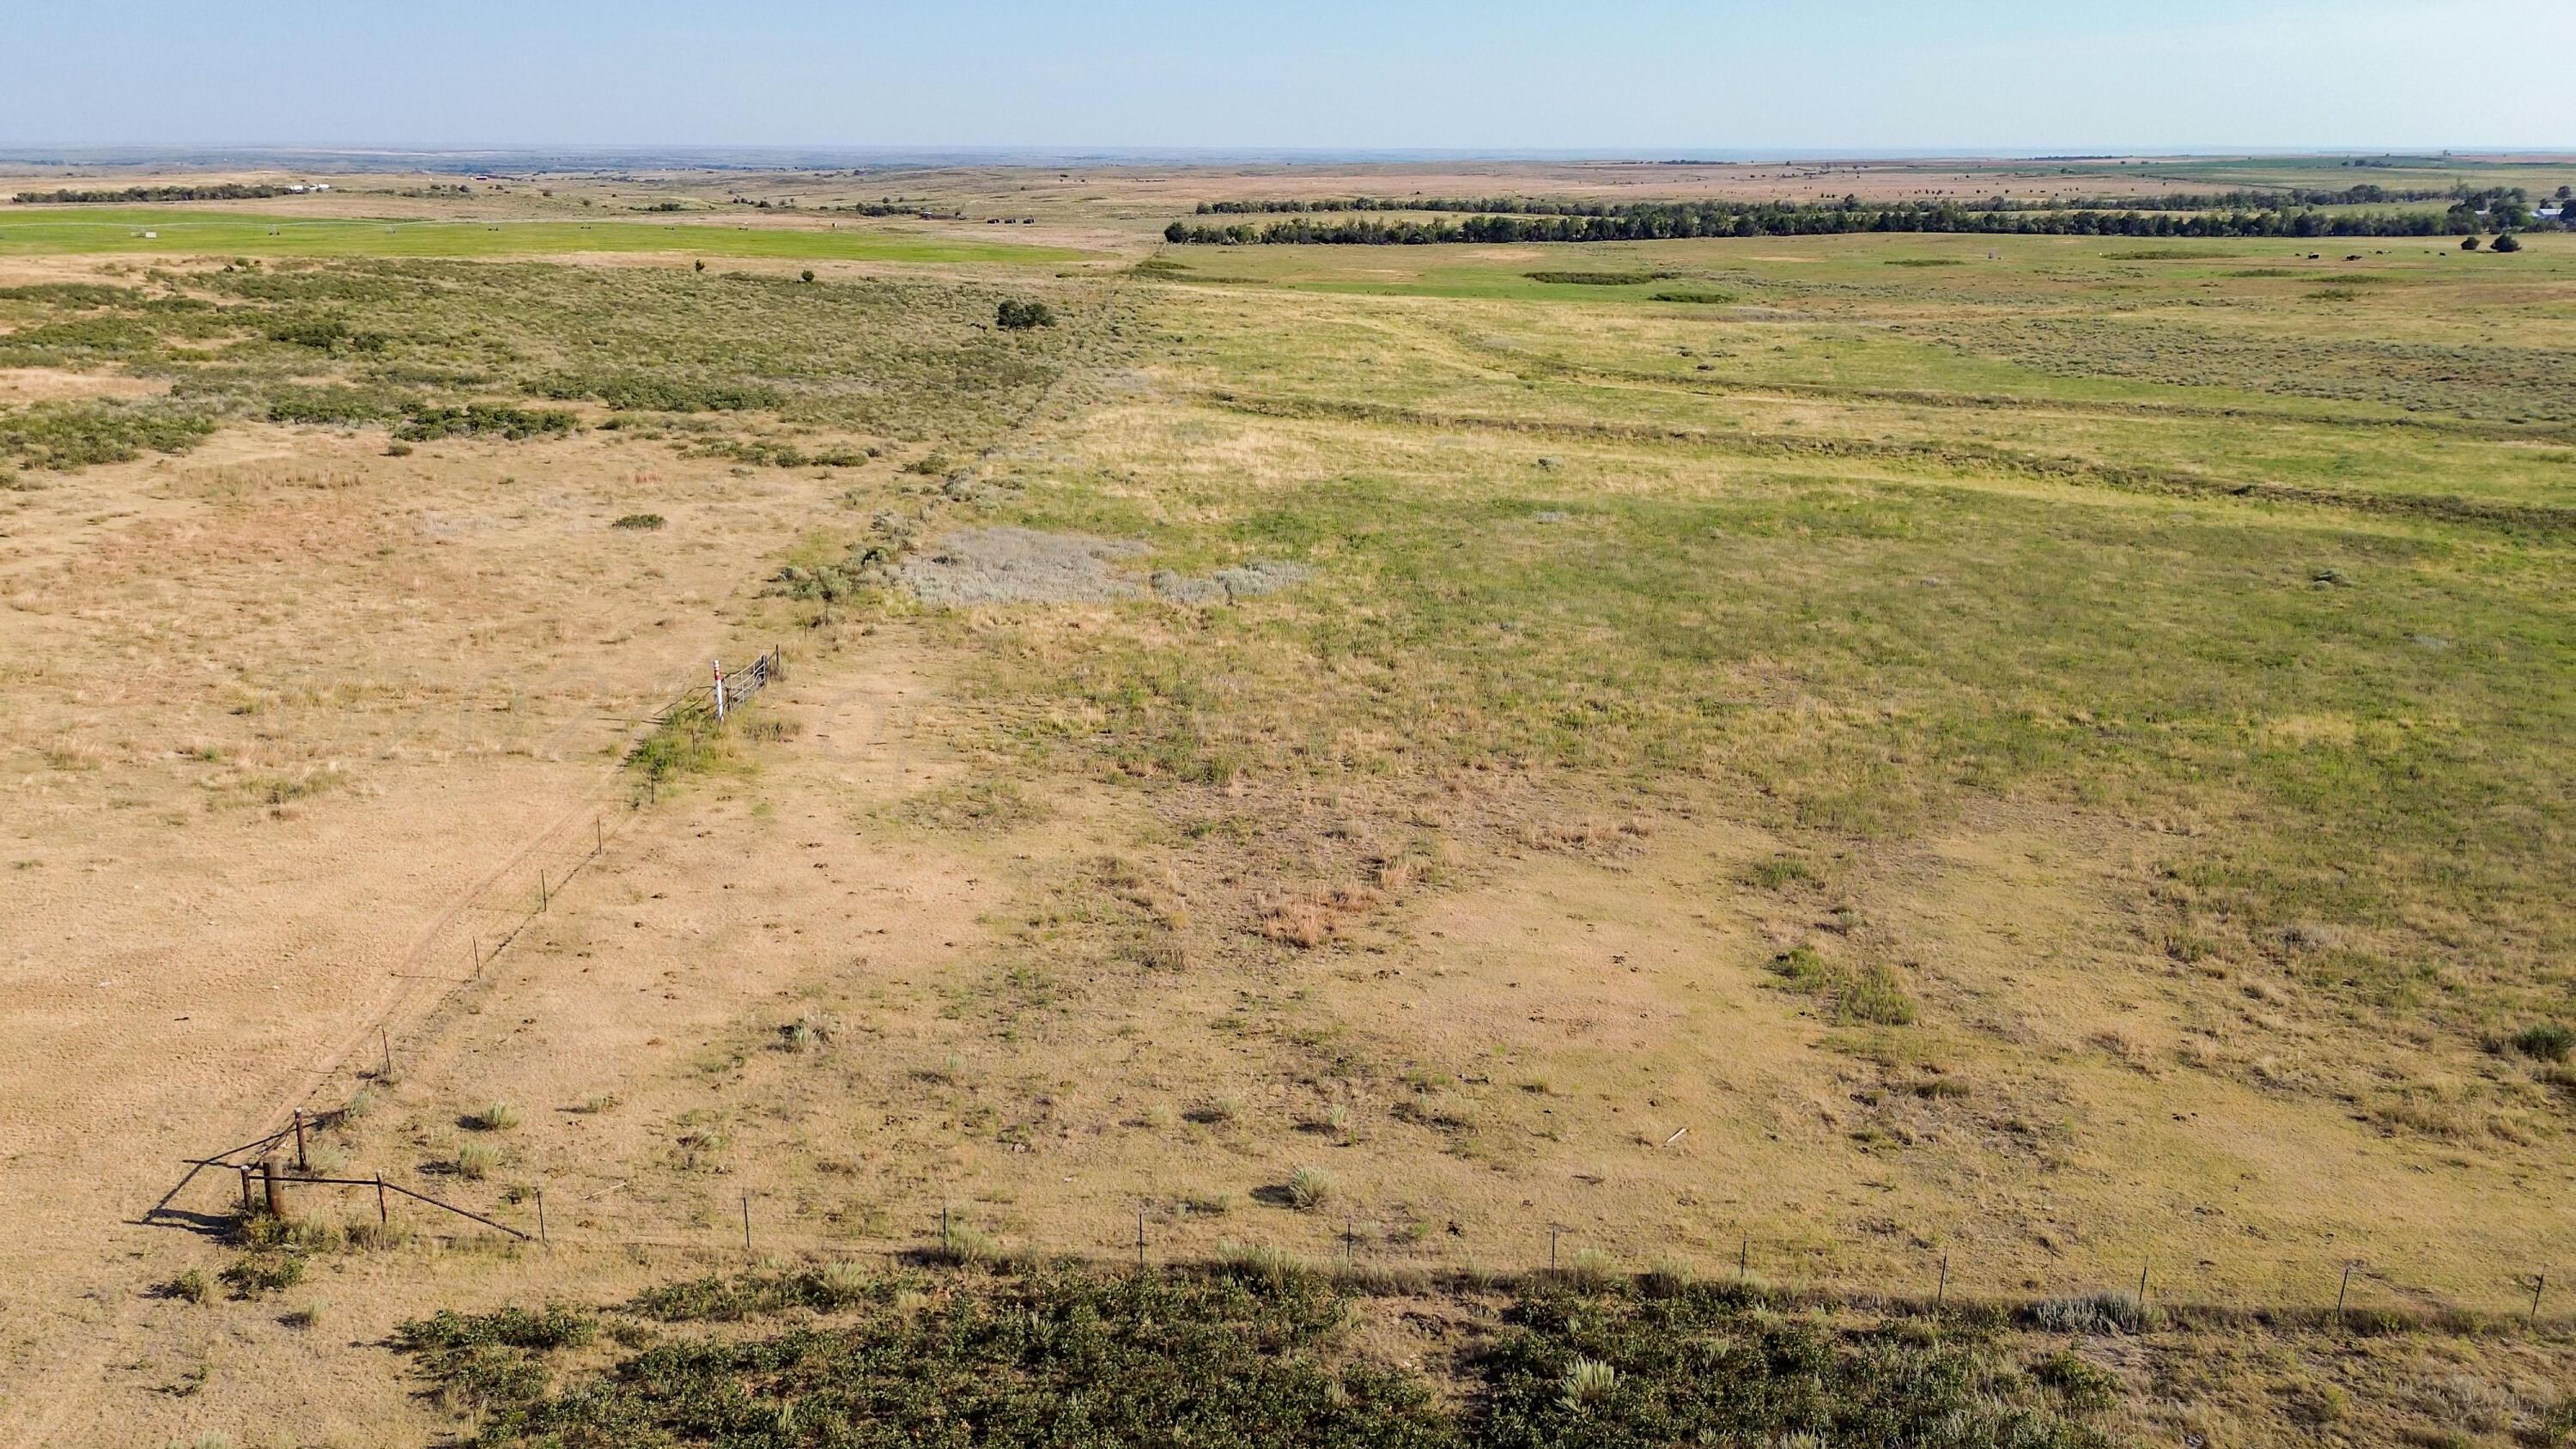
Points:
(423, 422)
(188, 1287)
(639, 521)
(1015, 315)
(829, 1288)
(326, 334)
(769, 452)
(689, 742)
(1046, 1358)
(1254, 1350)
(1600, 279)
(65, 436)
(661, 393)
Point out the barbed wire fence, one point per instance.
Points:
(751, 1229)
(476, 929)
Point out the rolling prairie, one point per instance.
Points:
(1825, 772)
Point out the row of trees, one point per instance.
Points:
(1726, 219)
(220, 191)
(2241, 200)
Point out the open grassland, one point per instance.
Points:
(1882, 765)
(38, 231)
(767, 367)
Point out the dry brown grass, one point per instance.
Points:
(302, 720)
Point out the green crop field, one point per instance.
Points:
(26, 231)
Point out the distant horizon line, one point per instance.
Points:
(770, 155)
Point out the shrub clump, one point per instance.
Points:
(657, 393)
(1015, 315)
(1310, 1188)
(2544, 1041)
(1599, 279)
(1700, 1366)
(501, 420)
(65, 436)
(256, 1275)
(1049, 1359)
(1253, 1352)
(339, 406)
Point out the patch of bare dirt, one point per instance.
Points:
(54, 384)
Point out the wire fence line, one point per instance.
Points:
(477, 929)
(753, 1230)
(720, 696)
(727, 692)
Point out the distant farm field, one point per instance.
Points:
(31, 232)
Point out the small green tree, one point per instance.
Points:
(2468, 243)
(2508, 243)
(807, 274)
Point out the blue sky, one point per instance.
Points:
(1501, 75)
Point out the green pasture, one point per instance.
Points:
(42, 231)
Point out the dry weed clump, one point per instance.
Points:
(1309, 919)
(1310, 1188)
(1583, 834)
(493, 1116)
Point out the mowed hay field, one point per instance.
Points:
(1825, 755)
